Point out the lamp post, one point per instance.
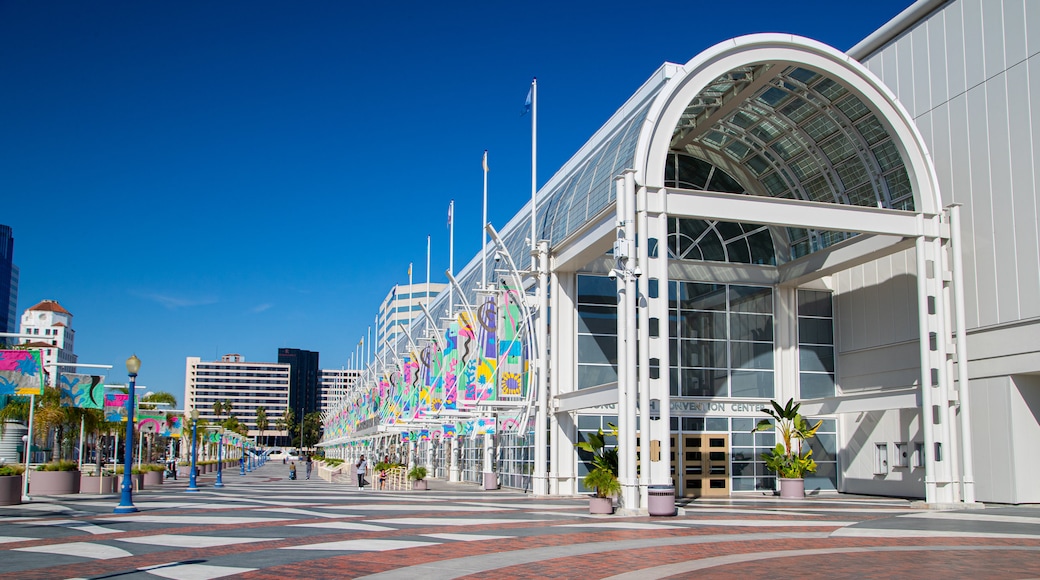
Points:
(191, 474)
(126, 499)
(220, 460)
(242, 459)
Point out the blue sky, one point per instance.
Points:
(201, 178)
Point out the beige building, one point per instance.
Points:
(247, 385)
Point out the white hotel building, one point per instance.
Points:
(248, 385)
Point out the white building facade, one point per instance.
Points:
(335, 384)
(402, 305)
(247, 385)
(772, 220)
(56, 342)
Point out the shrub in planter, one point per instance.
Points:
(11, 484)
(418, 477)
(55, 478)
(787, 459)
(153, 474)
(104, 483)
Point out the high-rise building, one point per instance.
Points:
(53, 324)
(402, 305)
(304, 381)
(335, 383)
(247, 385)
(8, 281)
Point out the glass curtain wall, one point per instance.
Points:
(597, 331)
(721, 340)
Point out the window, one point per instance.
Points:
(721, 340)
(815, 344)
(597, 331)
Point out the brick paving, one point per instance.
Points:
(262, 526)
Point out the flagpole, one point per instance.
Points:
(483, 231)
(368, 357)
(451, 256)
(427, 269)
(534, 171)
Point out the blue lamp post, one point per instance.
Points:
(126, 499)
(191, 476)
(242, 459)
(220, 460)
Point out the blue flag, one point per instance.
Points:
(527, 102)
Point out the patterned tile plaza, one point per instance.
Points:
(264, 526)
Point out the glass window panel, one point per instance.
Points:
(887, 156)
(773, 96)
(830, 89)
(693, 173)
(743, 454)
(805, 76)
(674, 384)
(774, 183)
(872, 130)
(703, 382)
(805, 167)
(597, 320)
(693, 424)
(738, 252)
(587, 423)
(704, 353)
(816, 385)
(838, 149)
(765, 439)
(596, 375)
(696, 324)
(824, 447)
(761, 245)
(797, 110)
(716, 424)
(815, 330)
(721, 181)
(698, 296)
(765, 131)
(818, 189)
(852, 107)
(752, 384)
(753, 327)
(814, 303)
(863, 195)
(757, 165)
(751, 299)
(743, 425)
(899, 184)
(596, 290)
(751, 355)
(816, 358)
(737, 150)
(597, 349)
(852, 173)
(746, 439)
(820, 127)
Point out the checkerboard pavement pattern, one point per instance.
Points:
(264, 526)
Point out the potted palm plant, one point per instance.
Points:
(418, 477)
(603, 476)
(787, 459)
(55, 478)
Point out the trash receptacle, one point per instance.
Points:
(490, 480)
(660, 500)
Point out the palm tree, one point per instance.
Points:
(279, 423)
(228, 407)
(150, 400)
(261, 420)
(290, 423)
(218, 406)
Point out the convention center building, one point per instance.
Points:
(775, 219)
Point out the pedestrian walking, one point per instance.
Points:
(362, 467)
(292, 470)
(308, 467)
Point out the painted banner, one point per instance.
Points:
(115, 407)
(82, 391)
(21, 372)
(173, 426)
(150, 421)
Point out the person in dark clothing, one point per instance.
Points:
(308, 467)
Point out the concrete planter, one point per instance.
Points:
(97, 484)
(153, 478)
(791, 488)
(601, 505)
(420, 484)
(10, 489)
(54, 482)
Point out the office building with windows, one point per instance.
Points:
(775, 219)
(402, 305)
(246, 385)
(8, 282)
(335, 384)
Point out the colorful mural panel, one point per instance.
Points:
(21, 372)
